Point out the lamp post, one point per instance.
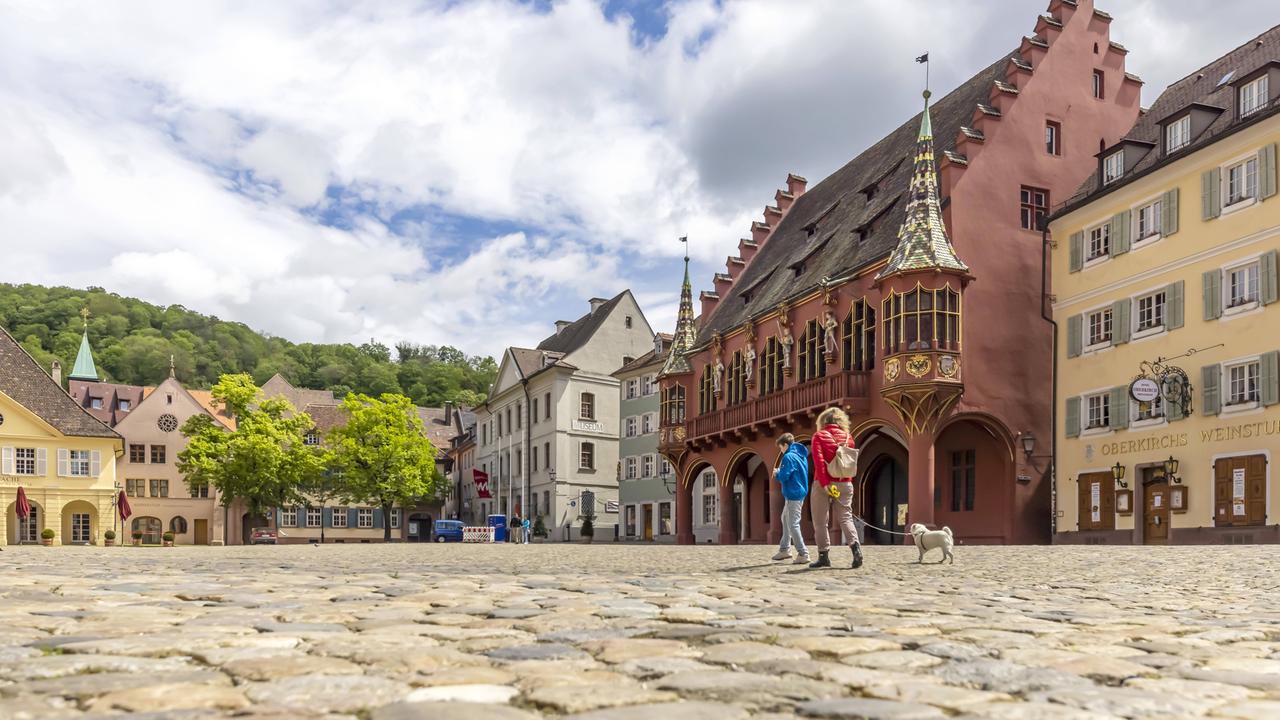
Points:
(1117, 472)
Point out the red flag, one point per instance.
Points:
(22, 507)
(481, 479)
(123, 506)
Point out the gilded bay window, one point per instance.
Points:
(736, 382)
(812, 363)
(922, 319)
(706, 391)
(673, 405)
(859, 343)
(771, 367)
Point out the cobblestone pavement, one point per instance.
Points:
(620, 632)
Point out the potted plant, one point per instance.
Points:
(46, 536)
(539, 529)
(137, 537)
(109, 537)
(168, 538)
(588, 530)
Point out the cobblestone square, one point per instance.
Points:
(610, 631)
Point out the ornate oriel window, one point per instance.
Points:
(673, 404)
(812, 363)
(859, 343)
(771, 367)
(922, 319)
(707, 391)
(736, 382)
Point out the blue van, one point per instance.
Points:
(448, 530)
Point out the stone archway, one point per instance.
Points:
(975, 486)
(690, 520)
(151, 528)
(25, 532)
(751, 512)
(882, 493)
(79, 523)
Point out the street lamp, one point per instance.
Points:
(1028, 443)
(1117, 472)
(1171, 470)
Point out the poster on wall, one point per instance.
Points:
(1095, 500)
(1157, 501)
(1237, 483)
(1238, 508)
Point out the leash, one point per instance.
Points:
(857, 518)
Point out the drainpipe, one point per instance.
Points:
(528, 445)
(1047, 314)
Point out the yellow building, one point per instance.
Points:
(62, 458)
(1164, 295)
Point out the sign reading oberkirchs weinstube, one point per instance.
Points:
(1223, 433)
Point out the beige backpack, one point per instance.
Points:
(844, 464)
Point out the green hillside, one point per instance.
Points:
(133, 340)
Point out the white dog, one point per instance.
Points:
(927, 540)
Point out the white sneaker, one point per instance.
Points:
(782, 555)
(801, 560)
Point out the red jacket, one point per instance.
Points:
(824, 445)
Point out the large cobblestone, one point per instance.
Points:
(618, 631)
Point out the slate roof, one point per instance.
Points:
(577, 333)
(530, 363)
(439, 427)
(650, 358)
(22, 379)
(325, 417)
(84, 391)
(1203, 87)
(842, 207)
(298, 397)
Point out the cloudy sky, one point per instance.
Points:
(463, 171)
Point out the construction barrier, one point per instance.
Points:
(482, 534)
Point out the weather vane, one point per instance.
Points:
(685, 239)
(925, 59)
(84, 314)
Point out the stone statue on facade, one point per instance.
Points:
(717, 377)
(787, 342)
(831, 336)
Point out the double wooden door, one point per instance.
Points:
(1155, 515)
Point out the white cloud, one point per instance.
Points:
(184, 152)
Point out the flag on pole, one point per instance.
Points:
(481, 479)
(923, 58)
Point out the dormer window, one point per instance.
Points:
(123, 406)
(1253, 96)
(1177, 134)
(95, 403)
(1112, 167)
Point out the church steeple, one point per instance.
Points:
(84, 368)
(922, 240)
(686, 334)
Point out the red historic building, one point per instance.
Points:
(906, 288)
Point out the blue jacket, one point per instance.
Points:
(793, 473)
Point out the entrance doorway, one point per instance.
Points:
(884, 494)
(648, 522)
(29, 527)
(79, 528)
(202, 532)
(420, 527)
(1155, 515)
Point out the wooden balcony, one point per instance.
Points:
(757, 415)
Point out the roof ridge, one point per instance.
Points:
(1237, 48)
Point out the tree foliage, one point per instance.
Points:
(383, 455)
(133, 341)
(264, 461)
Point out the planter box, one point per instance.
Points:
(47, 542)
(168, 543)
(109, 543)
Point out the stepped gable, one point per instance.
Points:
(849, 220)
(577, 333)
(23, 380)
(1204, 87)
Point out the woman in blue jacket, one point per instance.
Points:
(793, 474)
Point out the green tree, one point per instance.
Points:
(264, 461)
(384, 454)
(327, 484)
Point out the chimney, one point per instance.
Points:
(55, 372)
(561, 325)
(596, 303)
(448, 411)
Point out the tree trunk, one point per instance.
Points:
(386, 522)
(321, 523)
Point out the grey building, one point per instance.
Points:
(646, 480)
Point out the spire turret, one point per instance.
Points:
(686, 334)
(84, 368)
(923, 243)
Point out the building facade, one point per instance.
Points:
(812, 312)
(646, 481)
(60, 457)
(1165, 274)
(548, 431)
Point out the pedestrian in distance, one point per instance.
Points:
(524, 525)
(793, 475)
(830, 494)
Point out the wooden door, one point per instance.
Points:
(1097, 502)
(1155, 517)
(202, 532)
(1240, 491)
(648, 522)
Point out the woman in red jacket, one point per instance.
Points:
(833, 431)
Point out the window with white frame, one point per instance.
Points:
(664, 466)
(1112, 167)
(1177, 134)
(1100, 241)
(338, 517)
(1150, 312)
(1147, 221)
(1242, 181)
(1144, 411)
(313, 517)
(1242, 285)
(1253, 96)
(364, 518)
(587, 407)
(631, 468)
(632, 388)
(1100, 326)
(631, 427)
(1242, 382)
(24, 461)
(646, 467)
(1099, 411)
(289, 517)
(646, 385)
(311, 438)
(710, 499)
(80, 463)
(395, 516)
(647, 423)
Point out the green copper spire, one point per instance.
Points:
(686, 334)
(84, 368)
(922, 240)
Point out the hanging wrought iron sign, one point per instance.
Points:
(1159, 379)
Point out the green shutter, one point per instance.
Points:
(1268, 376)
(1120, 326)
(1210, 197)
(1077, 250)
(1169, 213)
(1267, 171)
(1072, 422)
(1212, 282)
(1118, 407)
(1210, 377)
(1174, 301)
(1267, 277)
(1075, 335)
(1120, 233)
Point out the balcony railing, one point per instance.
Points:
(840, 388)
